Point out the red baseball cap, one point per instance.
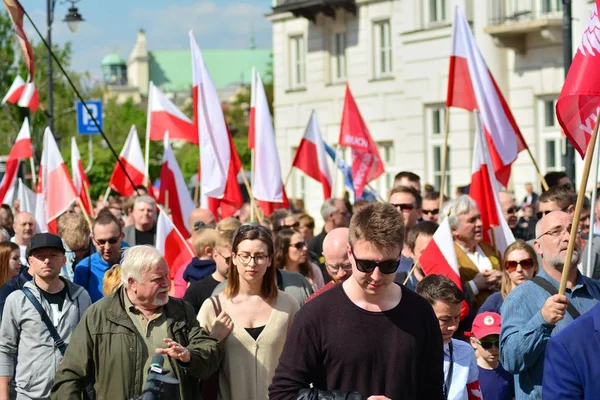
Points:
(485, 324)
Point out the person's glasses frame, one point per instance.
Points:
(386, 267)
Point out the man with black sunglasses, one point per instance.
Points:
(510, 212)
(430, 209)
(107, 237)
(368, 336)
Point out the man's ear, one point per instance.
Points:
(571, 209)
(208, 251)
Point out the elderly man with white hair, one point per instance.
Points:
(113, 345)
(478, 262)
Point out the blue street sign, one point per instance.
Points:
(85, 123)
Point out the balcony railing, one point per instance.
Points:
(310, 8)
(511, 11)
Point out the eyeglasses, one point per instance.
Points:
(435, 211)
(112, 240)
(386, 266)
(540, 214)
(259, 259)
(404, 206)
(558, 232)
(512, 210)
(488, 344)
(336, 267)
(299, 245)
(227, 259)
(526, 264)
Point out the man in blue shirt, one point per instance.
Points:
(531, 315)
(107, 237)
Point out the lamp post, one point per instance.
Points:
(73, 19)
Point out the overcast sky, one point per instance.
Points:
(112, 25)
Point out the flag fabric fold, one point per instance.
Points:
(133, 160)
(471, 86)
(16, 14)
(367, 165)
(311, 156)
(80, 179)
(56, 191)
(578, 104)
(24, 94)
(26, 197)
(164, 116)
(173, 187)
(20, 150)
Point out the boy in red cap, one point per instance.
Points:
(495, 382)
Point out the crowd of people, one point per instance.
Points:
(275, 310)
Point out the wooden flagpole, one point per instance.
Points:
(412, 270)
(85, 214)
(537, 168)
(444, 155)
(197, 191)
(253, 206)
(287, 178)
(589, 155)
(87, 195)
(33, 175)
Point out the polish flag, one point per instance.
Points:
(252, 116)
(26, 197)
(439, 258)
(484, 191)
(471, 86)
(23, 94)
(367, 165)
(267, 185)
(312, 149)
(132, 159)
(56, 191)
(172, 245)
(173, 187)
(164, 116)
(21, 149)
(219, 161)
(80, 179)
(17, 14)
(578, 104)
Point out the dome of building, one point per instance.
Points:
(113, 59)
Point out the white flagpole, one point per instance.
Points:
(147, 155)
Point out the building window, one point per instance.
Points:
(549, 115)
(338, 57)
(434, 128)
(437, 11)
(297, 61)
(437, 169)
(553, 143)
(552, 6)
(437, 120)
(383, 48)
(386, 152)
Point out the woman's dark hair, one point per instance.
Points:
(268, 288)
(283, 238)
(6, 248)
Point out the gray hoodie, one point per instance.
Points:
(25, 337)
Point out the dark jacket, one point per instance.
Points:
(198, 269)
(13, 285)
(107, 349)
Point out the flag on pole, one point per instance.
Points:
(21, 149)
(56, 191)
(471, 86)
(267, 185)
(132, 159)
(439, 258)
(252, 116)
(80, 179)
(484, 191)
(367, 165)
(311, 156)
(578, 104)
(219, 161)
(23, 94)
(164, 116)
(16, 14)
(171, 181)
(26, 198)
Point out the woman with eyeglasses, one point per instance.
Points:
(251, 317)
(291, 254)
(520, 265)
(10, 261)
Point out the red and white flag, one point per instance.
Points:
(578, 104)
(439, 258)
(267, 185)
(471, 86)
(56, 191)
(172, 245)
(252, 116)
(20, 150)
(80, 179)
(484, 191)
(16, 14)
(23, 94)
(219, 161)
(164, 116)
(367, 165)
(311, 158)
(173, 188)
(132, 159)
(26, 197)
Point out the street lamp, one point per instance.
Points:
(73, 19)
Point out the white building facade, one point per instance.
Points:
(394, 55)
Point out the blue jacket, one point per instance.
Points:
(92, 282)
(198, 269)
(572, 366)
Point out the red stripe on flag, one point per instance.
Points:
(119, 182)
(163, 121)
(168, 183)
(460, 87)
(306, 160)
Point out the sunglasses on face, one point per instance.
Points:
(540, 214)
(404, 206)
(435, 211)
(227, 259)
(367, 266)
(112, 240)
(526, 264)
(488, 344)
(512, 210)
(299, 245)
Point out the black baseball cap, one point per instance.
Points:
(45, 241)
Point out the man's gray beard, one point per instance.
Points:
(159, 302)
(558, 263)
